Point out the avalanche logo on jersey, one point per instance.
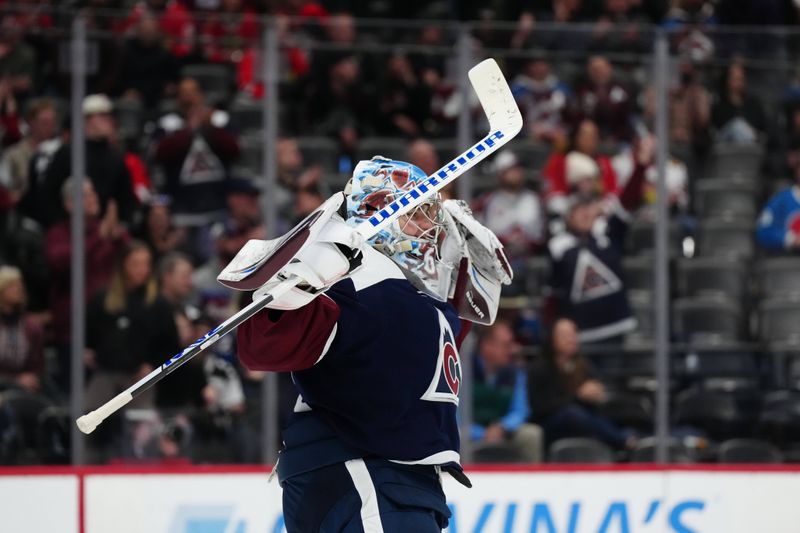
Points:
(592, 279)
(447, 379)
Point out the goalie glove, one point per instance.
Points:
(331, 257)
(483, 264)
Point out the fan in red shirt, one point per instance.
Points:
(557, 187)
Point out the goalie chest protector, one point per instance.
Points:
(387, 385)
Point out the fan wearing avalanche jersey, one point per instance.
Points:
(371, 340)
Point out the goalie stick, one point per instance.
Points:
(505, 122)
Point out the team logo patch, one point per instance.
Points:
(446, 380)
(452, 368)
(592, 279)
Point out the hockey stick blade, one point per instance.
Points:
(505, 122)
(88, 422)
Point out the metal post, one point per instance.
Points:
(661, 296)
(465, 407)
(269, 109)
(77, 264)
(464, 133)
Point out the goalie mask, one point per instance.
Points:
(414, 240)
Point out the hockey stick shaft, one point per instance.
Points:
(505, 122)
(88, 422)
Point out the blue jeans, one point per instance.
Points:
(575, 420)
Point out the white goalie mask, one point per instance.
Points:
(414, 240)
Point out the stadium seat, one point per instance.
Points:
(251, 152)
(711, 358)
(735, 160)
(702, 276)
(216, 80)
(319, 151)
(778, 276)
(53, 430)
(641, 303)
(708, 318)
(246, 115)
(723, 197)
(495, 453)
(531, 155)
(18, 439)
(726, 237)
(748, 451)
(629, 410)
(640, 238)
(537, 274)
(779, 320)
(645, 452)
(714, 412)
(779, 419)
(580, 450)
(639, 273)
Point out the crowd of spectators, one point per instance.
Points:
(173, 189)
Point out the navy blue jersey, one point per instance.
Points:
(377, 367)
(587, 280)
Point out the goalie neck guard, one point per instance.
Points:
(413, 240)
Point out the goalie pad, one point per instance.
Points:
(321, 250)
(483, 267)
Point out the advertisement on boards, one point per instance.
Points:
(34, 504)
(540, 502)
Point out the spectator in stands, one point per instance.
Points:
(564, 392)
(21, 335)
(105, 238)
(243, 222)
(542, 98)
(158, 230)
(196, 161)
(560, 179)
(604, 100)
(738, 116)
(227, 31)
(403, 101)
(175, 22)
(500, 396)
(22, 245)
(556, 13)
(423, 154)
(189, 97)
(17, 173)
(587, 283)
(149, 70)
(690, 13)
(512, 211)
(130, 329)
(689, 111)
(306, 200)
(175, 283)
(17, 58)
(778, 229)
(105, 167)
(337, 104)
(619, 28)
(624, 164)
